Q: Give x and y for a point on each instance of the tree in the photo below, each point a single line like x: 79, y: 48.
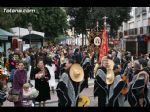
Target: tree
x: 86, y: 17
x: 80, y: 18
x: 50, y: 20
x: 116, y: 15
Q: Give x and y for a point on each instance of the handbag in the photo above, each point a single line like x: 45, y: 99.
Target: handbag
x: 13, y: 95
x: 2, y: 96
x: 34, y: 93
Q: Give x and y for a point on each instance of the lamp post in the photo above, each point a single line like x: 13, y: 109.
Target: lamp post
x: 30, y: 29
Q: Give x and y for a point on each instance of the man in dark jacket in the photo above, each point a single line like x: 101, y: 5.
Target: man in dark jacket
x: 147, y: 69
x: 107, y: 93
x: 115, y: 58
x: 77, y: 56
x: 68, y: 89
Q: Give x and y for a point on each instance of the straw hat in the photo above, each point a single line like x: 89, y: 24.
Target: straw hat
x: 110, y: 64
x: 110, y: 73
x: 110, y: 77
x: 76, y: 73
x: 84, y: 101
x: 96, y: 68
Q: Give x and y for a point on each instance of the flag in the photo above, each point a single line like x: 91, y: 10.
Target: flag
x: 104, y: 45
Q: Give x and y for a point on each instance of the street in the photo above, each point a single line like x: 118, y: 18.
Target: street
x: 54, y: 100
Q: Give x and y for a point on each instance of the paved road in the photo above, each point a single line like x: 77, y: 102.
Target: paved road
x: 54, y: 100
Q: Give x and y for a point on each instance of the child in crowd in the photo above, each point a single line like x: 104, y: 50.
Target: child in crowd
x: 28, y: 95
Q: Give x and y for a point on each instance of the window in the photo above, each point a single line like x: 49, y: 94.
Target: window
x: 144, y: 29
x: 148, y: 21
x: 148, y: 29
x: 141, y: 30
x: 135, y: 31
x: 125, y: 33
x: 120, y: 34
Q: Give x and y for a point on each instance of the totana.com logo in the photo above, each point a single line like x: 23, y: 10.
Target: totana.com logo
x: 24, y: 10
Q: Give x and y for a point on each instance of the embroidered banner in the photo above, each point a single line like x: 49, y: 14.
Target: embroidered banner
x: 104, y: 45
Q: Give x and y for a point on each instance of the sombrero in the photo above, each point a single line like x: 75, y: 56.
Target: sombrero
x: 110, y: 73
x: 76, y: 73
x: 84, y: 101
x: 110, y: 77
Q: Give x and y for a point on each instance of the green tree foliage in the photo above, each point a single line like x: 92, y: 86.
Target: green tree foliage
x: 86, y: 17
x: 50, y: 20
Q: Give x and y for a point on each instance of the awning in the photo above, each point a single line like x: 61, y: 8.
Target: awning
x: 5, y: 34
x: 34, y: 37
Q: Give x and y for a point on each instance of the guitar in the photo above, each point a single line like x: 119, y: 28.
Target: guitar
x: 124, y: 91
x: 83, y: 101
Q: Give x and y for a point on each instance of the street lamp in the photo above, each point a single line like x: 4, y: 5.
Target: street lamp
x: 30, y: 29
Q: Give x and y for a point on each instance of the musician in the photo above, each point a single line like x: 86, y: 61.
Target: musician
x: 69, y: 87
x: 147, y: 69
x: 87, y: 67
x: 138, y: 95
x: 138, y: 87
x: 115, y: 58
x: 106, y: 86
x: 77, y: 56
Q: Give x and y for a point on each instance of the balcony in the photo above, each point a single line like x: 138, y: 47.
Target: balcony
x: 137, y: 31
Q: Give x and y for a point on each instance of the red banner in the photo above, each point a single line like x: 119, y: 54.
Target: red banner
x: 104, y: 46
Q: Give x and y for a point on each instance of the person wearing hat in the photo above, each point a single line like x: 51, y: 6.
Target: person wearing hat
x: 115, y: 58
x: 137, y: 85
x: 69, y: 86
x: 77, y: 56
x: 107, y: 86
x: 147, y: 69
x: 139, y: 90
x: 87, y: 67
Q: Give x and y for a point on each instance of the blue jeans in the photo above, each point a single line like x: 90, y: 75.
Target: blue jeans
x: 12, y: 75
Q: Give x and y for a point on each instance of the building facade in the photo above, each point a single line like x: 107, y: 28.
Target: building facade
x: 135, y: 33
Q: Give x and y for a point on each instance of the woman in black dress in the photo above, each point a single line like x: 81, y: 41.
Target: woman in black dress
x: 42, y: 76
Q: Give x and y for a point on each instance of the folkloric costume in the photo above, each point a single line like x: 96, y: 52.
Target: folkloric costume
x: 139, y: 90
x: 107, y: 87
x: 69, y: 87
x: 87, y: 70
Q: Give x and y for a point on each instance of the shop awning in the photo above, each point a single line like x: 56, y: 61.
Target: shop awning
x: 5, y: 34
x: 34, y: 37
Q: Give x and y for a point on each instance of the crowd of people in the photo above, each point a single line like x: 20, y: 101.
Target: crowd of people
x: 119, y: 77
